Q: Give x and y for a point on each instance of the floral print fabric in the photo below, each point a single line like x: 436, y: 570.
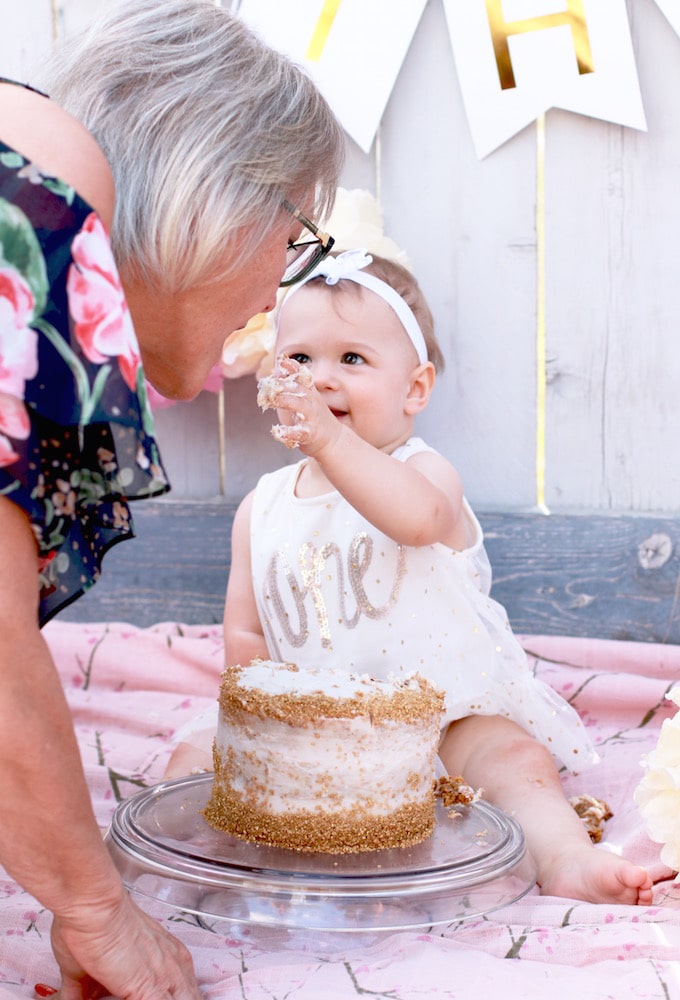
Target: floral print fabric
x: 76, y: 430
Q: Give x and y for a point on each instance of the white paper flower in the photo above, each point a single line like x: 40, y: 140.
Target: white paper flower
x: 356, y: 221
x: 245, y: 351
x: 658, y: 794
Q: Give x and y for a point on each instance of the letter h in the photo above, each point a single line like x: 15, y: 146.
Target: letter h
x: 501, y: 30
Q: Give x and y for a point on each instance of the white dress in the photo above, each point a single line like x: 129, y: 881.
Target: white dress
x: 332, y: 589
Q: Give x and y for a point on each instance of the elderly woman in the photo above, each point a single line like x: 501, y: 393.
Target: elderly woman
x: 220, y: 152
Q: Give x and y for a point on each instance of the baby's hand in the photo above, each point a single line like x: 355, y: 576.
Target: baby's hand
x: 306, y: 421
x: 288, y: 376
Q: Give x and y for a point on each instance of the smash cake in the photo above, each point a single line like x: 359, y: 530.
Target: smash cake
x: 324, y: 760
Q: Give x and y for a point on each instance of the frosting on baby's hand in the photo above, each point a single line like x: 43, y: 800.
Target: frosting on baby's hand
x: 290, y: 435
x: 289, y: 376
x: 292, y: 378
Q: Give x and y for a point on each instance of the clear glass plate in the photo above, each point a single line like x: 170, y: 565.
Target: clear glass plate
x: 473, y: 863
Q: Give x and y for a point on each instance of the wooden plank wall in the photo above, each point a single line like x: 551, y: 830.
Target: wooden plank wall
x: 612, y: 371
x: 612, y: 290
x: 598, y: 576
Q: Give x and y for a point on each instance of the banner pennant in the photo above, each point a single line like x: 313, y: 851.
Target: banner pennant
x: 517, y: 58
x: 671, y: 8
x: 352, y: 49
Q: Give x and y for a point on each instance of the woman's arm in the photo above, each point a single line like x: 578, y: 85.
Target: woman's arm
x: 49, y: 839
x: 56, y: 142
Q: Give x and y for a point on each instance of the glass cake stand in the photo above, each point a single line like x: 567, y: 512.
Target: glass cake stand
x: 166, y: 852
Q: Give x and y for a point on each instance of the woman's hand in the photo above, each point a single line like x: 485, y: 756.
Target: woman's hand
x: 122, y: 953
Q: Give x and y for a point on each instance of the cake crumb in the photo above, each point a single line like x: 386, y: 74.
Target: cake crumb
x: 594, y: 813
x: 281, y: 433
x: 454, y: 791
x: 288, y: 376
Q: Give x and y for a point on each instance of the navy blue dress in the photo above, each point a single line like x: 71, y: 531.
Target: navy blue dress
x: 76, y: 430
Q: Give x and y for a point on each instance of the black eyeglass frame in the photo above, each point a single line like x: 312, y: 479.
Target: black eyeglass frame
x: 323, y: 240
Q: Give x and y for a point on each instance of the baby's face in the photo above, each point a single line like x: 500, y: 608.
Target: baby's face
x: 360, y: 357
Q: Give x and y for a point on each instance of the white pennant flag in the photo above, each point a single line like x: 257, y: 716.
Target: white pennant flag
x: 671, y: 8
x: 352, y: 49
x: 517, y: 58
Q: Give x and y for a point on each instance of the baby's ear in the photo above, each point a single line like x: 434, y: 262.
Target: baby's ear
x: 421, y: 385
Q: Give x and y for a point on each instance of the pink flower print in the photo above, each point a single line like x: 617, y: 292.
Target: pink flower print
x: 7, y: 453
x: 14, y: 423
x: 103, y: 325
x: 18, y: 342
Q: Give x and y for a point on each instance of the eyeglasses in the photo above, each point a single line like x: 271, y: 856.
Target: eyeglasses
x: 302, y: 258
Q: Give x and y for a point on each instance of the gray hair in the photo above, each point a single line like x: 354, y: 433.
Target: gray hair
x: 207, y: 130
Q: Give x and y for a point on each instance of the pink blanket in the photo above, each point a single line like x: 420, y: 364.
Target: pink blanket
x: 129, y: 689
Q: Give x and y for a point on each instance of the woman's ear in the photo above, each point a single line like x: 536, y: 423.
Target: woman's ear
x: 421, y: 385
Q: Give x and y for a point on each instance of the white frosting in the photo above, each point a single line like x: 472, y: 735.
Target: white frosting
x: 348, y: 762
x: 269, y: 677
x: 333, y: 764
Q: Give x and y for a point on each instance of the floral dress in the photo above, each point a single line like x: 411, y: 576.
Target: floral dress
x: 76, y: 430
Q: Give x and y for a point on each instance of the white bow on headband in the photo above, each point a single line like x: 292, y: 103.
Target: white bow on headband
x: 348, y: 266
x: 345, y: 265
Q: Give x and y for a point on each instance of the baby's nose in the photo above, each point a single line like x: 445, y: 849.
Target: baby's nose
x: 324, y: 374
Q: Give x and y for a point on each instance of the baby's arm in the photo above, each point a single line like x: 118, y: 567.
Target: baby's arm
x: 417, y: 502
x: 243, y: 636
x: 243, y: 641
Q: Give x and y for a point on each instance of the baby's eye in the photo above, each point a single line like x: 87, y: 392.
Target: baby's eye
x: 302, y: 359
x: 351, y: 358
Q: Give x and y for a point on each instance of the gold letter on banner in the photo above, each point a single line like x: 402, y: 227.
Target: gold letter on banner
x: 322, y: 30
x: 501, y: 29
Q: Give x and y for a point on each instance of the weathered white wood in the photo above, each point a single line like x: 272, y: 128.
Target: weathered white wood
x: 612, y: 288
x: 191, y: 447
x: 26, y: 35
x: 468, y: 228
x: 613, y: 297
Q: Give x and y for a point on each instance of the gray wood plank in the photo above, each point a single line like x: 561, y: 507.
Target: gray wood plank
x: 600, y: 576
x: 176, y: 568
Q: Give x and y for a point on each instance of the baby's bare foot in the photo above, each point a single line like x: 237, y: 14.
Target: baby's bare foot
x: 597, y: 876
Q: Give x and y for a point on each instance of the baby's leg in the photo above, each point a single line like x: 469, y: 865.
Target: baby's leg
x: 517, y: 774
x: 187, y: 759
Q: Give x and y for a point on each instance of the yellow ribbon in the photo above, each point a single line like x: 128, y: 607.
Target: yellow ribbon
x: 540, y: 316
x: 322, y: 30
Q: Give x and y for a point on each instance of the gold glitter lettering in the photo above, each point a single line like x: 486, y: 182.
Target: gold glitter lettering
x: 574, y: 17
x: 296, y: 639
x: 312, y: 563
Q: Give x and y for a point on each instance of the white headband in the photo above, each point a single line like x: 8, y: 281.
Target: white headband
x: 348, y: 266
